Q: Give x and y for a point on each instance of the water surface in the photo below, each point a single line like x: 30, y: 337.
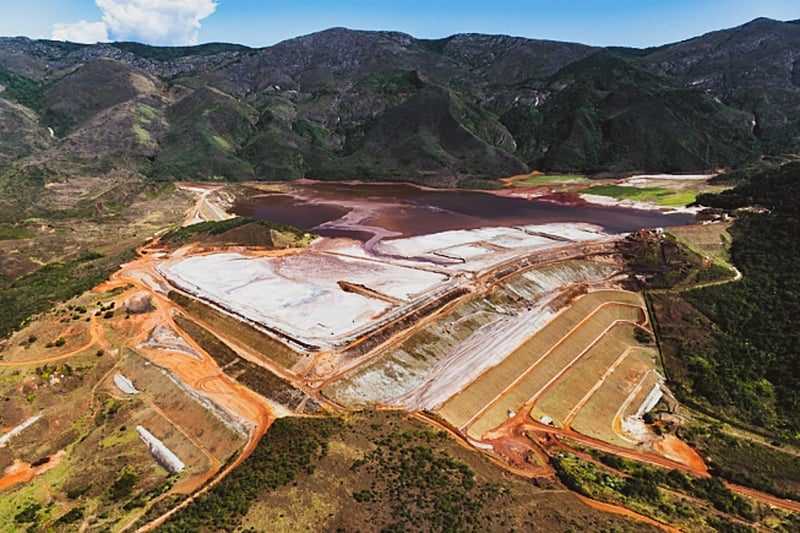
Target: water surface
x: 346, y: 209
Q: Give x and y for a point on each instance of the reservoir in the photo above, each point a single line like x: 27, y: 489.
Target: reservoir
x: 364, y: 210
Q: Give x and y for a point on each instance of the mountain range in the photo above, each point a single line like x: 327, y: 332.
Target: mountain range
x: 343, y: 104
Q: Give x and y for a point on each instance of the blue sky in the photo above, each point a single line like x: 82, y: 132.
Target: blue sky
x: 256, y: 23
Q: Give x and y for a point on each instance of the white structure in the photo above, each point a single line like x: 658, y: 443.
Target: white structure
x: 160, y: 452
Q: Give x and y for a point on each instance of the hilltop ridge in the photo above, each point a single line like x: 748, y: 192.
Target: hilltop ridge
x: 343, y: 104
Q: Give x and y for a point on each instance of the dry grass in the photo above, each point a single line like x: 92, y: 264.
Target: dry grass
x: 596, y: 418
x: 463, y: 407
x: 563, y: 354
x: 568, y: 391
x: 712, y: 240
x: 236, y: 329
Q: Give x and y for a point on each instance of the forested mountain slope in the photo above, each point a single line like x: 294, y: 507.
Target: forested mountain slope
x: 342, y: 104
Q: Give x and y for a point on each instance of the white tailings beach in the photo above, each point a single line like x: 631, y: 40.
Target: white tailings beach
x: 124, y: 384
x: 17, y: 430
x: 301, y: 297
x: 160, y: 452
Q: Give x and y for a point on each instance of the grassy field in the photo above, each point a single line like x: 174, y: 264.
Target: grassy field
x: 659, y: 195
x: 563, y: 353
x: 596, y: 417
x: 660, y: 494
x: 70, y: 242
x: 236, y: 329
x: 463, y: 407
x: 9, y: 232
x: 548, y: 179
x: 711, y: 240
x: 387, y: 472
x: 107, y: 471
x: 558, y: 401
x: 770, y: 468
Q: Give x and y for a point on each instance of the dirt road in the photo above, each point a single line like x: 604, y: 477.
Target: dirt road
x: 201, y: 375
x: 95, y: 338
x: 616, y: 509
x: 21, y: 472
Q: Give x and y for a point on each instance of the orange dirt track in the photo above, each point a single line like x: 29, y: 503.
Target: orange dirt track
x: 201, y: 375
x: 204, y: 376
x: 22, y: 473
x: 616, y: 509
x: 95, y: 337
x: 541, y: 471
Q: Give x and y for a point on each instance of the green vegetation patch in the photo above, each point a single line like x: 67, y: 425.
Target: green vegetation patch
x: 192, y: 146
x: 167, y: 53
x: 643, y: 478
x: 426, y: 488
x: 547, y: 179
x: 731, y: 349
x: 10, y: 232
x: 143, y: 136
x: 642, y: 489
x: 21, y: 90
x: 585, y: 478
x: 52, y: 283
x: 187, y: 233
x: 478, y: 184
x: 668, y: 263
x: 290, y: 447
x: 753, y: 362
x: 392, y: 83
x: 711, y: 240
x: 657, y: 195
x: 380, y: 471
x: 749, y: 462
x: 251, y: 232
x: 147, y: 114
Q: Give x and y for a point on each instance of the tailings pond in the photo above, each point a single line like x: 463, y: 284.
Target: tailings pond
x: 366, y: 211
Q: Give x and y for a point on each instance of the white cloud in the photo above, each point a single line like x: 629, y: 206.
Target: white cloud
x: 80, y: 32
x: 155, y: 21
x: 165, y: 22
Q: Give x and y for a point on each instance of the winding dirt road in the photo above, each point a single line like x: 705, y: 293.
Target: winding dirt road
x: 197, y: 374
x: 95, y: 337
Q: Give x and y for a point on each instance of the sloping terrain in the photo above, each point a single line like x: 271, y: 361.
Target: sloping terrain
x: 342, y: 104
x: 754, y: 67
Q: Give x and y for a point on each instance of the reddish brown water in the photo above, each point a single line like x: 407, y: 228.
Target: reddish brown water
x: 409, y: 210
x: 288, y: 210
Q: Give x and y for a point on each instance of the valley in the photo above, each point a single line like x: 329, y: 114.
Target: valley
x: 360, y: 280
x: 516, y: 339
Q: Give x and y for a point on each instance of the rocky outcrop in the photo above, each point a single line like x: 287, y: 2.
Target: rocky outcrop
x: 139, y: 303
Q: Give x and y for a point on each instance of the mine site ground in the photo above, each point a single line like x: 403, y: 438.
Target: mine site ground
x: 517, y: 341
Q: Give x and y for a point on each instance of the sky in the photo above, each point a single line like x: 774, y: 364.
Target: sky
x: 257, y: 23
